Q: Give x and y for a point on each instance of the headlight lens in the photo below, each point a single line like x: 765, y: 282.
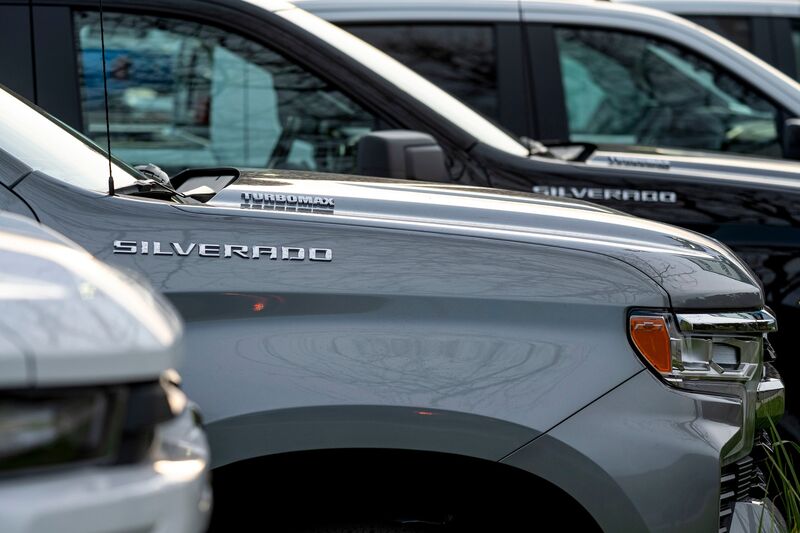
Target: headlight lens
x: 106, y: 424
x: 42, y: 430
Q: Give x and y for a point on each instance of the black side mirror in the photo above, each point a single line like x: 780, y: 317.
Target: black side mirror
x: 791, y: 139
x: 401, y: 154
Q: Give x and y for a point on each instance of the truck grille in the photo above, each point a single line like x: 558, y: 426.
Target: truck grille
x: 742, y: 480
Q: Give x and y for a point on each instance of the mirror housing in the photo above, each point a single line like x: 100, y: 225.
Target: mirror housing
x: 791, y: 139
x: 401, y: 154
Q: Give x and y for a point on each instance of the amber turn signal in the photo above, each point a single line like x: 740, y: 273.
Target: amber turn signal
x: 651, y: 337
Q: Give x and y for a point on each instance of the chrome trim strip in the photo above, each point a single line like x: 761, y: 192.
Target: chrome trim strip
x: 770, y: 398
x: 742, y: 322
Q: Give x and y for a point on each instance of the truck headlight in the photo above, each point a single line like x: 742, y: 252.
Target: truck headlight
x: 39, y: 430
x: 718, y: 353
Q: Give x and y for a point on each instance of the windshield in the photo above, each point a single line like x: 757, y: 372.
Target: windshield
x: 49, y: 146
x: 409, y: 81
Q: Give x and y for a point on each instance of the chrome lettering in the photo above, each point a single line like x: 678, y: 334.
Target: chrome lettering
x: 668, y: 197
x: 244, y: 251
x: 320, y: 254
x: 179, y: 248
x: 157, y: 249
x: 209, y: 250
x: 270, y: 251
x: 286, y: 202
x: 598, y: 193
x: 124, y: 247
x: 237, y: 249
x: 631, y: 195
x: 576, y: 193
x: 290, y: 253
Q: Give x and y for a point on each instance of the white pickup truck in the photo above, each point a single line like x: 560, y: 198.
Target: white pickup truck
x: 95, y: 434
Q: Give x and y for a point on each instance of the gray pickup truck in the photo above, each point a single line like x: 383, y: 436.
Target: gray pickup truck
x: 410, y: 356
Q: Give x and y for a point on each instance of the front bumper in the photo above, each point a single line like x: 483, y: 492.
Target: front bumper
x: 168, y: 493
x: 645, y: 457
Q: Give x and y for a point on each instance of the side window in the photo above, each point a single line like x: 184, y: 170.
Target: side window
x: 458, y: 58
x: 185, y: 94
x: 633, y: 90
x: 796, y: 44
x: 736, y: 29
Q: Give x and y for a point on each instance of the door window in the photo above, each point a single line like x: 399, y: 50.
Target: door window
x: 458, y: 58
x: 633, y: 90
x: 185, y: 94
x: 736, y: 29
x: 796, y: 45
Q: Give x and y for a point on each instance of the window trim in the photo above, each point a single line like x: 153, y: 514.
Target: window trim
x: 794, y: 25
x: 515, y: 111
x: 548, y: 99
x: 785, y: 56
x: 56, y: 70
x: 16, y: 62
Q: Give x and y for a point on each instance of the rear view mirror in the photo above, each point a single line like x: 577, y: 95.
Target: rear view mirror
x: 401, y: 154
x: 791, y: 139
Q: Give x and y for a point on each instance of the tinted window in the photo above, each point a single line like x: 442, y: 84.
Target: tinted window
x: 634, y: 90
x: 736, y: 29
x: 796, y: 45
x: 459, y: 59
x: 185, y: 94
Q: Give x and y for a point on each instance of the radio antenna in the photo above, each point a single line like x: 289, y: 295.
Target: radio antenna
x: 105, y: 101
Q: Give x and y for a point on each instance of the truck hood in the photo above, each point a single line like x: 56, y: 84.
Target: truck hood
x: 67, y: 319
x: 696, y: 272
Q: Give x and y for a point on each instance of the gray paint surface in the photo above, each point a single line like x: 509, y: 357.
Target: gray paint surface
x: 647, y: 441
x: 412, y: 10
x: 365, y: 426
x: 764, y: 8
x: 472, y: 307
x: 399, y: 317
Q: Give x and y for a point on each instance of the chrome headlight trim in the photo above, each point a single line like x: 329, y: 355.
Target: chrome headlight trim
x: 770, y: 398
x: 760, y: 321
